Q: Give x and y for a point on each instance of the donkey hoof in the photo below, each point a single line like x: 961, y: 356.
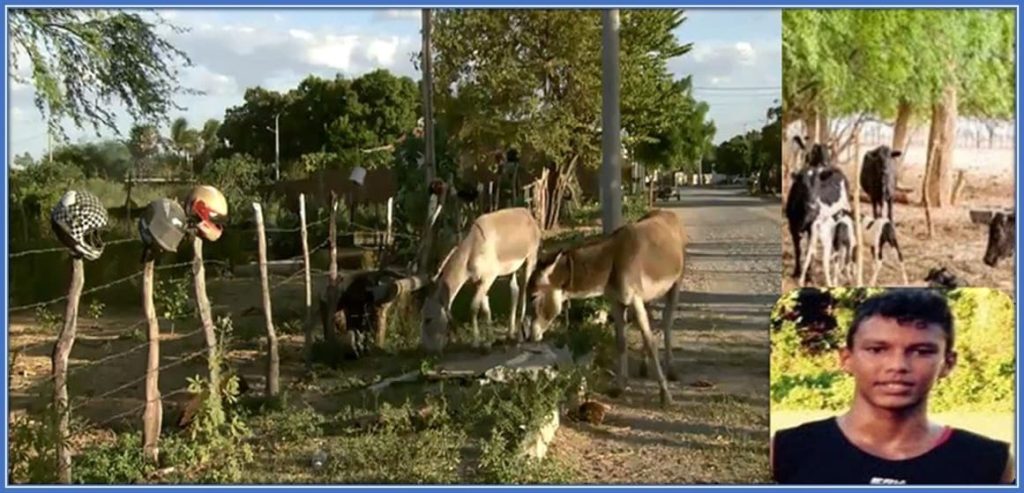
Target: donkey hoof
x: 616, y: 391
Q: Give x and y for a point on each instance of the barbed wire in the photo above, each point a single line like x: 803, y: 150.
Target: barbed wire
x: 24, y: 253
x: 184, y: 359
x: 136, y: 409
x: 112, y: 284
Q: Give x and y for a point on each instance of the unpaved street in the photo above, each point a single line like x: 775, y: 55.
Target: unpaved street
x: 717, y: 430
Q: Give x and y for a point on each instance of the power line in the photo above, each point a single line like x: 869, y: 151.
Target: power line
x: 738, y: 88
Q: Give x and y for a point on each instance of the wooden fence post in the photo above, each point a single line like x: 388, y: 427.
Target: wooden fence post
x: 856, y: 211
x: 152, y: 417
x: 59, y: 359
x: 206, y: 316
x: 273, y: 363
x: 307, y: 343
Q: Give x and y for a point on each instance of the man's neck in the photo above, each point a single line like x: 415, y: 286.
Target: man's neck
x: 888, y: 432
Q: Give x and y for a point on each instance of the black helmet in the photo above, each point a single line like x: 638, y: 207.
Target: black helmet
x: 163, y: 224
x: 77, y: 220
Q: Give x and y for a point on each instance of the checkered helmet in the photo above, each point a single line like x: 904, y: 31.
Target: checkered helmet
x: 77, y: 220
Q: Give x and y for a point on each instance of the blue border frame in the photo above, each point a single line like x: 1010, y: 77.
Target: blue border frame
x: 306, y: 4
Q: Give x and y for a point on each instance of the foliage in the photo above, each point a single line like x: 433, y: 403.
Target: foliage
x: 239, y: 178
x: 805, y: 373
x: 37, y: 188
x: 32, y: 447
x: 340, y: 116
x: 49, y: 320
x: 845, y: 61
x: 83, y: 61
x: 532, y: 80
x: 173, y: 298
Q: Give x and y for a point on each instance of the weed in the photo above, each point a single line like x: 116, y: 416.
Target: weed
x: 48, y: 320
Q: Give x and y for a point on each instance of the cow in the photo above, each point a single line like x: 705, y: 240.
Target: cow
x: 844, y: 246
x: 878, y: 178
x: 819, y: 191
x: 879, y: 233
x: 1002, y: 234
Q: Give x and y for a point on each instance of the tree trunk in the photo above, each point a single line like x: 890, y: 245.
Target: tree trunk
x: 901, y: 129
x: 811, y: 126
x: 942, y: 138
x: 825, y: 132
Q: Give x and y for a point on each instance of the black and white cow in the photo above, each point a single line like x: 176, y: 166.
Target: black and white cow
x: 819, y: 191
x: 879, y: 233
x: 878, y: 178
x: 1002, y: 236
x: 844, y: 246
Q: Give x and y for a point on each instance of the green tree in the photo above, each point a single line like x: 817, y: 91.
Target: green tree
x: 947, y: 63
x: 532, y: 79
x: 82, y: 61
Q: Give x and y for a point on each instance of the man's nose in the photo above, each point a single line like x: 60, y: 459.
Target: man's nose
x: 898, y: 361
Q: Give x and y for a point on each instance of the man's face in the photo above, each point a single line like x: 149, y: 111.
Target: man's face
x: 894, y: 366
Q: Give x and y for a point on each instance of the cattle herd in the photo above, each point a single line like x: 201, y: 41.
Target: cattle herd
x: 818, y: 207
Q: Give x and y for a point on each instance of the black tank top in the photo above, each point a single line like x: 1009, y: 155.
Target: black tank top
x: 819, y: 453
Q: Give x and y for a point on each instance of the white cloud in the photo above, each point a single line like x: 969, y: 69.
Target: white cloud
x: 300, y: 34
x: 383, y: 51
x: 213, y: 84
x: 333, y: 52
x: 746, y: 53
x: 397, y: 14
x: 732, y: 64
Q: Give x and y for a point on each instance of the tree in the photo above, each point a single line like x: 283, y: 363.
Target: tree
x: 356, y: 119
x: 83, y: 61
x: 143, y: 144
x: 844, y: 63
x: 531, y: 79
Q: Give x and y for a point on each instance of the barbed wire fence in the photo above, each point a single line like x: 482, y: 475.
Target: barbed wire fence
x: 130, y: 386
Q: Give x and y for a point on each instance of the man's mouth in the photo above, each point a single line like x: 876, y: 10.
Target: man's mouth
x: 895, y: 385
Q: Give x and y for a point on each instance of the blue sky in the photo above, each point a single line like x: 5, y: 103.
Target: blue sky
x: 276, y: 48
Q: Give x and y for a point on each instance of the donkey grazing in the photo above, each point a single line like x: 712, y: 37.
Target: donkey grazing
x: 633, y: 265
x: 497, y: 244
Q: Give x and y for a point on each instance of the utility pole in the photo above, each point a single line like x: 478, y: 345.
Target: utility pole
x: 611, y: 137
x: 427, y: 237
x: 277, y: 146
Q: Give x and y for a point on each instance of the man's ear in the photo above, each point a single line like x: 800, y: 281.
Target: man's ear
x: 948, y: 364
x: 844, y: 359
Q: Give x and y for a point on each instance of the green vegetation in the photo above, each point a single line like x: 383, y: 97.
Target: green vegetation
x: 805, y: 373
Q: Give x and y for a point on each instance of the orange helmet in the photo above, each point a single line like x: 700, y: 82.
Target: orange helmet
x: 207, y: 209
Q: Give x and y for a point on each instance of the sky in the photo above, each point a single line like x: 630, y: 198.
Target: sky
x: 736, y: 61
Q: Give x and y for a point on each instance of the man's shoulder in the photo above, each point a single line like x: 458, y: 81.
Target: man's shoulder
x: 809, y: 428
x: 972, y: 439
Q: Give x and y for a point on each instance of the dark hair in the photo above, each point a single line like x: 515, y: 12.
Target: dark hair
x: 907, y: 306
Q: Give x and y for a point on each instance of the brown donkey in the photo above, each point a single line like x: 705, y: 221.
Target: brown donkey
x: 635, y: 264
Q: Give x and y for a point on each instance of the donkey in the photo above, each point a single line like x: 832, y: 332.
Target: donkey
x: 633, y: 265
x: 497, y: 244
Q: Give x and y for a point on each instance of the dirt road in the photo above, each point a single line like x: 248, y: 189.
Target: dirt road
x: 716, y: 433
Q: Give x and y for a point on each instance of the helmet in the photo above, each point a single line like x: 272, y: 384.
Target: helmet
x: 77, y: 220
x: 207, y: 209
x: 164, y: 224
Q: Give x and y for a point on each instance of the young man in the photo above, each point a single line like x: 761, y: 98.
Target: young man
x: 899, y: 345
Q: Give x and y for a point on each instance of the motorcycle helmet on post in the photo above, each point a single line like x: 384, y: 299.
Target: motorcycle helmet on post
x: 77, y: 219
x: 163, y: 225
x: 207, y: 210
